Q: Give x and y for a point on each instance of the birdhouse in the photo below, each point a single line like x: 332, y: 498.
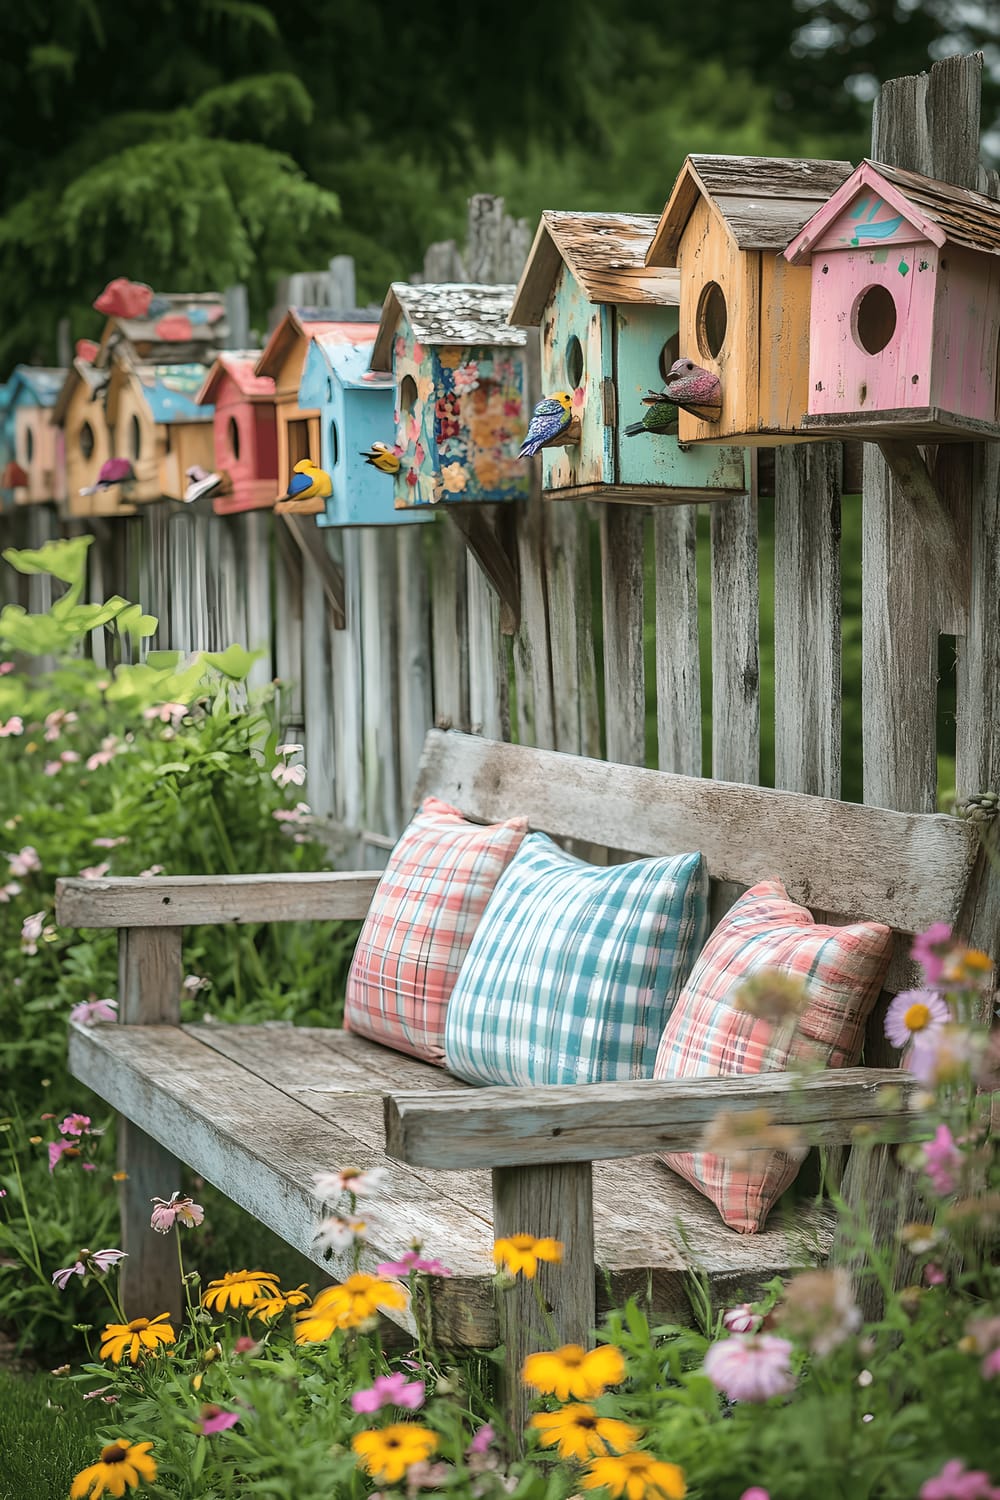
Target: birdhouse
x: 245, y: 433
x: 283, y: 359
x: 460, y: 374
x: 744, y: 311
x: 905, y: 316
x: 38, y: 474
x: 81, y: 419
x: 609, y: 337
x: 355, y: 406
x: 7, y: 471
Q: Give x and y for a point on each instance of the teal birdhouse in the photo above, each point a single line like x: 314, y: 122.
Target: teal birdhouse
x: 36, y: 466
x: 460, y: 389
x: 356, y: 408
x: 609, y: 335
x: 6, y: 446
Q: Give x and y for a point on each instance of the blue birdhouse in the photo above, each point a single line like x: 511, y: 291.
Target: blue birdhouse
x: 609, y: 335
x: 6, y: 446
x: 460, y: 379
x: 356, y: 406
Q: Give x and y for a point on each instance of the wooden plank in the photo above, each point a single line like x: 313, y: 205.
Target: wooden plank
x: 735, y: 643
x: 678, y: 661
x: 288, y: 569
x: 316, y: 687
x: 190, y: 900
x: 312, y: 545
x: 622, y: 560
x: 807, y: 684
x: 379, y: 641
x: 449, y: 626
x: 254, y: 531
x: 937, y: 527
x: 532, y: 657
x: 413, y: 656
x: 149, y: 975
x: 484, y: 536
x: 347, y: 712
x: 577, y: 723
x: 487, y: 674
x: 496, y: 1127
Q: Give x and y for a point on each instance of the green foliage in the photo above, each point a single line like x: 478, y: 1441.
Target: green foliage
x: 49, y: 1431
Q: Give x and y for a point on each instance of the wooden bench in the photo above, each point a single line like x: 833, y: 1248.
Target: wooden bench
x: 256, y: 1110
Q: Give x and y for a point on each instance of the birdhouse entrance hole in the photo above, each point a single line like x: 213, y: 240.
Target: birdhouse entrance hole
x: 407, y: 394
x: 233, y: 437
x: 29, y: 445
x: 86, y: 440
x: 298, y: 442
x: 873, y: 319
x: 574, y: 362
x: 334, y: 446
x: 135, y: 433
x: 669, y: 354
x: 713, y: 319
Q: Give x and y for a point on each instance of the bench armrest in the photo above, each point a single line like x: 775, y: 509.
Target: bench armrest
x: 191, y: 900
x: 501, y: 1127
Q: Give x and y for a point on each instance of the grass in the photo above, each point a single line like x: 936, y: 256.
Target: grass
x: 49, y: 1434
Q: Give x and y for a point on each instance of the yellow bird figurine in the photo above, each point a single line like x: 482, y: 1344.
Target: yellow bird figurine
x: 307, y: 490
x: 382, y: 457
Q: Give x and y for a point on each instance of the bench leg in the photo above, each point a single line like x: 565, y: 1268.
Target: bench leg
x: 151, y: 1278
x: 554, y: 1201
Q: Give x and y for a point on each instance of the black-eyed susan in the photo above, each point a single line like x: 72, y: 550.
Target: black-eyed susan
x: 578, y: 1432
x: 387, y: 1452
x: 573, y: 1371
x: 121, y: 1466
x: 522, y: 1252
x: 141, y: 1336
x: 268, y: 1308
x: 635, y: 1476
x: 356, y: 1300
x: 240, y: 1289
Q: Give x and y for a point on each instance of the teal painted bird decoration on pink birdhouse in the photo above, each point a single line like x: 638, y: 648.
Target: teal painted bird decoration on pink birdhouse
x: 694, y: 389
x: 549, y: 421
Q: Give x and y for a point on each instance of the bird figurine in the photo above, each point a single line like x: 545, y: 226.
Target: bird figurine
x: 112, y: 471
x: 382, y: 457
x: 694, y: 389
x: 308, y: 488
x: 549, y: 421
x: 200, y: 482
x: 659, y: 417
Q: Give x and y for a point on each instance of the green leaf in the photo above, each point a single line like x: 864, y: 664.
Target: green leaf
x: 65, y: 560
x: 132, y: 621
x: 234, y: 662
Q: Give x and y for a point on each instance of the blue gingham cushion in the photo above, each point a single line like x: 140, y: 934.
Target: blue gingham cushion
x: 575, y: 968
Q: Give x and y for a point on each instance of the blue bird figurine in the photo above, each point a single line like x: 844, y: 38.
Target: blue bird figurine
x: 549, y: 421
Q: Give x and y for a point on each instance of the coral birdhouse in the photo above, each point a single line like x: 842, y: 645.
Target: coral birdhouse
x: 245, y: 433
x: 36, y: 466
x: 609, y: 336
x: 460, y: 376
x: 355, y: 406
x: 905, y: 316
x: 744, y: 311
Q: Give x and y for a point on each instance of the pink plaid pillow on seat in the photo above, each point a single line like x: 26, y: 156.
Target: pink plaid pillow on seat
x: 420, y: 924
x: 706, y: 1036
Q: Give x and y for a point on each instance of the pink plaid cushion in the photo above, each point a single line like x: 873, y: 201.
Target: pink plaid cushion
x: 420, y: 924
x: 843, y: 968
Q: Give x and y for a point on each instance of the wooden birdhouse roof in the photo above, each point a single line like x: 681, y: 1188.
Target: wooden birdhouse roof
x: 462, y: 314
x: 240, y: 366
x: 174, y: 324
x: 350, y: 363
x: 171, y: 392
x: 80, y: 372
x: 939, y: 212
x: 311, y: 322
x: 606, y: 253
x: 763, y: 201
x: 34, y: 386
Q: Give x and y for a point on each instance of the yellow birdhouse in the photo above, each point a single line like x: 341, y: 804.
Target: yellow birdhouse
x: 79, y: 412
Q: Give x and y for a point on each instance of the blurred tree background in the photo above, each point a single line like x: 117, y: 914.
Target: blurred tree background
x: 192, y: 146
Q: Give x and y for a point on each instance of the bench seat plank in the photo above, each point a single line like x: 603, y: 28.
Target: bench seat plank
x: 257, y: 1109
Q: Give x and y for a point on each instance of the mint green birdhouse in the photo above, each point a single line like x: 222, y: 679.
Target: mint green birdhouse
x: 608, y: 337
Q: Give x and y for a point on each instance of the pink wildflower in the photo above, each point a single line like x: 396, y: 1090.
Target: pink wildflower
x: 934, y: 1275
x: 32, y: 928
x: 57, y: 721
x: 90, y: 1260
x: 246, y: 1345
x: 286, y: 775
x: 179, y: 1207
x: 942, y: 1161
x: 750, y: 1366
x: 149, y: 874
x: 482, y: 1440
x: 26, y: 862
x: 107, y: 843
x: 89, y: 1011
x: 75, y: 1125
x: 390, y: 1390
x: 167, y: 713
x: 329, y: 1185
x: 14, y: 725
x: 106, y: 754
x: 95, y: 872
x: 338, y: 1234
x: 956, y: 1482
x: 755, y: 1492
x: 410, y: 1261
x: 8, y: 891
x: 990, y: 1365
x: 931, y: 948
x: 741, y: 1319
x: 53, y: 767
x: 214, y: 1419
x: 59, y: 1149
x: 193, y: 983
x: 5, y: 667
x: 942, y: 1055
x: 69, y: 757
x: 915, y: 1014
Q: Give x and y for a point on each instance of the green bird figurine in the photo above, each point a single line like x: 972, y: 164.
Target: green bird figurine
x: 660, y: 417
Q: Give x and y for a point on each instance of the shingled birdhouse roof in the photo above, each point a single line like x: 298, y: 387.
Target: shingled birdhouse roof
x: 42, y: 385
x: 176, y: 328
x: 763, y: 201
x: 455, y: 313
x: 240, y: 366
x: 606, y: 253
x: 80, y: 372
x: 313, y: 322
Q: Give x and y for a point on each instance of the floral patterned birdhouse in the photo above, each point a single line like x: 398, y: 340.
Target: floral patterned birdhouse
x: 355, y: 406
x: 744, y: 311
x: 244, y: 430
x: 905, y: 315
x: 37, y: 472
x: 460, y: 379
x: 609, y: 335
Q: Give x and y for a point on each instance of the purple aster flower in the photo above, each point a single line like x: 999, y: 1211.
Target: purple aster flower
x: 390, y: 1390
x: 913, y: 1014
x: 931, y: 948
x: 750, y: 1366
x: 942, y: 1161
x: 409, y: 1261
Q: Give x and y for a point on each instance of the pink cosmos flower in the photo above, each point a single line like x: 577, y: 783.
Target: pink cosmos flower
x: 149, y: 874
x: 750, y: 1366
x: 53, y: 767
x: 58, y: 1149
x: 956, y: 1482
x: 292, y: 814
x: 741, y: 1319
x: 338, y: 1234
x: 931, y: 948
x: 289, y: 749
x: 106, y: 754
x: 26, y: 862
x: 57, y: 721
x: 482, y: 1440
x: 990, y: 1365
x: 193, y: 983
x: 107, y: 843
x: 179, y: 1207
x: 214, y: 1419
x: 89, y: 1011
x: 934, y: 1275
x: 915, y: 1014
x: 75, y: 1125
x: 167, y: 713
x: 246, y: 1345
x: 755, y: 1492
x: 942, y: 1055
x: 5, y: 667
x: 14, y: 725
x: 8, y: 891
x: 330, y: 1185
x: 90, y: 1260
x: 286, y: 775
x: 410, y: 1261
x: 69, y: 757
x: 942, y: 1161
x: 95, y: 872
x: 390, y: 1390
x: 32, y: 928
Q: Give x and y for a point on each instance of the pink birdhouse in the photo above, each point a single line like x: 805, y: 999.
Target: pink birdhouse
x: 245, y: 430
x: 905, y: 311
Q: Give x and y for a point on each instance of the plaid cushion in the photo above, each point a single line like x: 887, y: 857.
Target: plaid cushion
x: 574, y: 968
x: 706, y: 1036
x: 420, y: 924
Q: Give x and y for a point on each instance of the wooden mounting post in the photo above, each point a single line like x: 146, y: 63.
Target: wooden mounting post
x: 487, y: 545
x: 910, y: 471
x: 305, y: 533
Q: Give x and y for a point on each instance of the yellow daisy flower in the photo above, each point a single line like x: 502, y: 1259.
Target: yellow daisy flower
x: 636, y: 1476
x: 134, y: 1339
x: 387, y: 1452
x: 122, y: 1465
x: 578, y: 1432
x: 240, y: 1289
x: 572, y: 1371
x: 268, y: 1308
x: 359, y: 1298
x: 522, y: 1252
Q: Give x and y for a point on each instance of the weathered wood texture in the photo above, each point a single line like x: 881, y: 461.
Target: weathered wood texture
x: 678, y: 658
x: 173, y: 901
x: 622, y: 566
x: 735, y: 641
